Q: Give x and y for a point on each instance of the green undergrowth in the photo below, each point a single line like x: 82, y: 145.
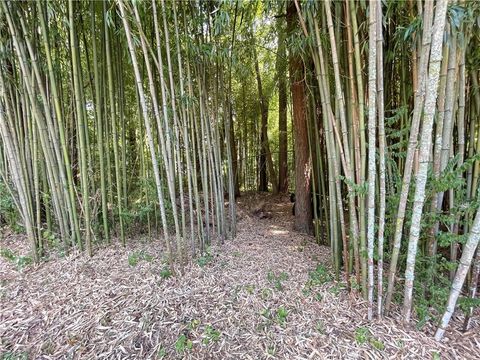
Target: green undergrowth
x: 277, y: 279
x: 20, y: 261
x: 317, y: 277
x: 13, y: 355
x: 363, y: 336
x: 135, y: 257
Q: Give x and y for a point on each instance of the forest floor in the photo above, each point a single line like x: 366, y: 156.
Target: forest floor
x: 267, y: 294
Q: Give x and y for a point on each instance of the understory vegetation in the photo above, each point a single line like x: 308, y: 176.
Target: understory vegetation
x: 122, y: 119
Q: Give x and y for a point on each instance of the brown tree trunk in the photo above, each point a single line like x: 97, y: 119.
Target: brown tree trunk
x: 262, y: 168
x: 303, y: 208
x: 282, y: 111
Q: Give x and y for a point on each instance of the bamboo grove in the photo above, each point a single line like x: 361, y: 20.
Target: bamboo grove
x: 86, y: 138
x: 121, y: 117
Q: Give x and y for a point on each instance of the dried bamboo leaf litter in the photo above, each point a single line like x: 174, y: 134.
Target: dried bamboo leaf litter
x: 253, y: 299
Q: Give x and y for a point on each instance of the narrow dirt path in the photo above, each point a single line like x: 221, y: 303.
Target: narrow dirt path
x: 263, y: 295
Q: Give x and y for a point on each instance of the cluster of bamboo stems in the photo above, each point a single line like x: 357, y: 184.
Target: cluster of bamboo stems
x: 69, y: 145
x: 359, y: 150
x: 95, y: 97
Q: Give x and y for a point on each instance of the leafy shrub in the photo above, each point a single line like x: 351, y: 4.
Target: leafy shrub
x: 7, y: 254
x: 20, y: 261
x: 8, y: 211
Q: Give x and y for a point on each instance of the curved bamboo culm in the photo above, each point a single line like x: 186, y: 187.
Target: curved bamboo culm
x: 460, y: 275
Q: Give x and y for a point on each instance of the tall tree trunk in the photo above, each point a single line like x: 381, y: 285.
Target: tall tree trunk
x: 303, y: 208
x: 281, y: 67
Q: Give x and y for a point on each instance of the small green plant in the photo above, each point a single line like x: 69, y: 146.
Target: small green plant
x: 193, y: 324
x: 182, y: 344
x: 306, y: 291
x: 467, y: 303
x: 277, y: 279
x: 266, y: 294
x: 354, y: 284
x: 436, y: 356
x: 7, y: 254
x: 270, y: 276
x: 271, y: 351
x: 205, y: 259
x: 377, y: 344
x: 282, y: 314
x: 210, y: 335
x: 135, y: 257
x: 319, y: 276
x: 362, y: 334
x: 19, y: 261
x: 9, y: 355
x: 50, y: 239
x: 165, y: 273
x: 8, y: 211
x: 23, y: 261
x: 250, y: 288
x: 266, y: 313
x: 320, y: 327
x: 335, y: 290
x: 161, y: 352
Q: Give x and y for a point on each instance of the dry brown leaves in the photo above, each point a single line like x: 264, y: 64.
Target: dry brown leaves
x: 249, y: 302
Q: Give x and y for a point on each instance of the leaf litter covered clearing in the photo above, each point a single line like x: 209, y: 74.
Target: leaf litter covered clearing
x: 267, y: 294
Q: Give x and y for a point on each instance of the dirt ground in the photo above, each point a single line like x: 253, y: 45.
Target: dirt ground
x: 262, y: 295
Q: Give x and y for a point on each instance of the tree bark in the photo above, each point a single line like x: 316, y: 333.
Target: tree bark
x: 303, y: 208
x: 282, y: 110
